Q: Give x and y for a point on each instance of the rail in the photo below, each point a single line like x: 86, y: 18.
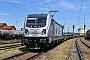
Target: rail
x: 85, y: 44
x: 9, y: 47
x: 79, y: 52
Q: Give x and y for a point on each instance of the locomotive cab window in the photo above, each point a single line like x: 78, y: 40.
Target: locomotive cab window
x: 41, y: 21
x: 31, y: 20
x: 36, y: 22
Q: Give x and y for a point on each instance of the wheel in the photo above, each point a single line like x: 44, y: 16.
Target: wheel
x: 27, y: 45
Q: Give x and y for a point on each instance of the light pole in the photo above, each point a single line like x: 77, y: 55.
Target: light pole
x: 73, y: 30
x: 64, y: 25
x: 84, y: 25
x: 78, y: 20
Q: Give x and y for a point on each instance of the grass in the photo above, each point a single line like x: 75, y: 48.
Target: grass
x: 58, y: 53
x: 10, y: 52
x: 61, y: 51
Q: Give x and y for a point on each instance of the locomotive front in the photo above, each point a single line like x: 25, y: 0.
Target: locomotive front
x: 36, y: 28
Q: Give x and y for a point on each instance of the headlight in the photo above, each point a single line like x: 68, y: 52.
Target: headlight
x: 44, y: 31
x: 26, y: 31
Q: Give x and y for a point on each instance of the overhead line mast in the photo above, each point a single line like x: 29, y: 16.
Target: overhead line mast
x: 80, y: 9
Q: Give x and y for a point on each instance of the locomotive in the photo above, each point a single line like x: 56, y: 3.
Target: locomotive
x: 41, y: 31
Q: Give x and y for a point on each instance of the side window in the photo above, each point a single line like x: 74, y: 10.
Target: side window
x: 61, y: 30
x: 55, y: 29
x: 58, y: 30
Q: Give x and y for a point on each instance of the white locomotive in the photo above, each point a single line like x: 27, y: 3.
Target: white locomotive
x: 41, y: 30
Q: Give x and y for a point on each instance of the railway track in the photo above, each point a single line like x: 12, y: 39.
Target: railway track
x: 83, y: 49
x: 2, y: 43
x: 10, y: 46
x: 85, y: 44
x: 27, y: 55
x: 79, y: 52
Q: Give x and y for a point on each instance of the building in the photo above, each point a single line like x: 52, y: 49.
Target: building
x: 8, y: 28
x: 81, y: 31
x: 5, y: 27
x: 2, y: 24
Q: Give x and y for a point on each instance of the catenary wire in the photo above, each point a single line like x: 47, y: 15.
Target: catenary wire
x: 47, y: 5
x: 8, y: 11
x: 28, y: 5
x: 16, y: 6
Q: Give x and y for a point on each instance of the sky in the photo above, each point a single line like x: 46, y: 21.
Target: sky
x: 70, y: 12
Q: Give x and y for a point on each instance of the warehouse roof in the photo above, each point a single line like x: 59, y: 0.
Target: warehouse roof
x: 2, y: 24
x: 9, y: 28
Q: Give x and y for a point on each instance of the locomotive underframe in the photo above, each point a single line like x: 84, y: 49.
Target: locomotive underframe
x: 40, y: 42
x: 35, y: 42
